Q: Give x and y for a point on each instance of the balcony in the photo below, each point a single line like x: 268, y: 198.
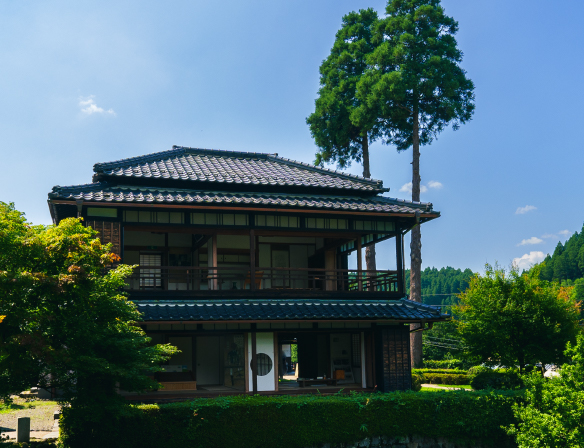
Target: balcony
x: 198, y: 280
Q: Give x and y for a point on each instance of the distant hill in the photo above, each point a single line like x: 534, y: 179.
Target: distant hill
x: 440, y: 286
x: 566, y: 264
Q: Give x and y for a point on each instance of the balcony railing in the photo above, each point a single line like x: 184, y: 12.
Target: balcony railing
x: 171, y: 278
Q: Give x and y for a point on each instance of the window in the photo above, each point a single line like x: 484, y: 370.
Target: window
x: 356, y: 349
x: 219, y: 219
x: 154, y: 217
x: 277, y: 221
x: 150, y: 278
x: 327, y: 223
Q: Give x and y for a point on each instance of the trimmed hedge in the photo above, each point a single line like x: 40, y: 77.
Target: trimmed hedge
x: 443, y: 371
x: 446, y: 364
x: 441, y: 378
x: 300, y: 421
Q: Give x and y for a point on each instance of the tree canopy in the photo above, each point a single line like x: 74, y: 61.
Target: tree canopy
x: 64, y: 321
x: 512, y: 319
x: 332, y: 125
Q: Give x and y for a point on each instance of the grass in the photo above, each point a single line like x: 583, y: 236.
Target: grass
x: 20, y: 403
x: 446, y: 387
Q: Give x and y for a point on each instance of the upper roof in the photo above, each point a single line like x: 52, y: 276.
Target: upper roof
x: 231, y: 167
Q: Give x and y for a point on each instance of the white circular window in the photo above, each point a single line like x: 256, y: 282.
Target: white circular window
x: 264, y: 364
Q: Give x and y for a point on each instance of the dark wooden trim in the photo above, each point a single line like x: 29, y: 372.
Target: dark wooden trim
x: 399, y: 262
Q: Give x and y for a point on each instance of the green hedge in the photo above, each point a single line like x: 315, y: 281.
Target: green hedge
x: 443, y: 371
x: 441, y: 378
x: 446, y: 364
x: 300, y: 421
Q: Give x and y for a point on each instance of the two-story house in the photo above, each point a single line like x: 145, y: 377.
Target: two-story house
x: 242, y: 254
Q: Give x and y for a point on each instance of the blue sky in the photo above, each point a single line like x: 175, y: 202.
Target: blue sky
x: 87, y: 82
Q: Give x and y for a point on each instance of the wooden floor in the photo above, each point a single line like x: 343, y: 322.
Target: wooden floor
x: 221, y: 391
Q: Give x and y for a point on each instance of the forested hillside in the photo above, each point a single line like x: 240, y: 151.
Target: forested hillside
x: 567, y: 262
x: 440, y: 286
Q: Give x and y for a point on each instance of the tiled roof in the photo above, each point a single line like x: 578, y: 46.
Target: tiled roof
x: 231, y: 167
x: 99, y: 192
x: 278, y: 309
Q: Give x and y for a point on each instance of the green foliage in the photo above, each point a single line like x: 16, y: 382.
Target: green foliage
x: 417, y: 381
x: 294, y: 350
x: 450, y: 363
x: 445, y: 378
x: 441, y: 371
x: 442, y: 286
x: 486, y: 378
x: 567, y: 261
x: 336, y: 134
x: 510, y: 319
x: 65, y: 323
x: 310, y: 420
x: 415, y: 76
x: 553, y: 412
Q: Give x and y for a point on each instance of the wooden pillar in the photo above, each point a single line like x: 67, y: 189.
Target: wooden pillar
x: 212, y: 262
x: 277, y: 362
x: 330, y: 270
x: 359, y: 264
x: 399, y: 258
x: 252, y: 263
x: 254, y: 361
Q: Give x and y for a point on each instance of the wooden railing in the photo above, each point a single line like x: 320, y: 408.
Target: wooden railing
x: 196, y: 278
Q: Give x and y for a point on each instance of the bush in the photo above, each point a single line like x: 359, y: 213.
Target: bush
x: 446, y: 364
x: 444, y: 371
x: 417, y: 381
x: 441, y: 378
x: 485, y: 378
x: 308, y: 420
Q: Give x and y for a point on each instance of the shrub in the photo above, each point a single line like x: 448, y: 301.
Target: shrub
x: 308, y: 420
x: 441, y: 378
x: 485, y: 378
x: 447, y: 364
x: 417, y: 381
x: 443, y: 371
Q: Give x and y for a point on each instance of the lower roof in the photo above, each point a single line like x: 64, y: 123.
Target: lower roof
x: 402, y: 310
x: 119, y: 194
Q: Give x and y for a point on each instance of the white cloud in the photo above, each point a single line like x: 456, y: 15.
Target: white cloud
x: 528, y: 260
x: 532, y: 240
x: 407, y: 188
x: 435, y: 184
x: 524, y: 210
x: 89, y: 107
x: 564, y: 232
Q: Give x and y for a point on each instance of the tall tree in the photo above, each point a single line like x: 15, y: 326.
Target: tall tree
x: 337, y: 136
x: 417, y: 88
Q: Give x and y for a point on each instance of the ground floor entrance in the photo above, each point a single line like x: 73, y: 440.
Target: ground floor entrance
x: 284, y: 357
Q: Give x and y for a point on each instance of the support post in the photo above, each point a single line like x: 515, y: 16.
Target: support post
x: 252, y: 263
x: 399, y: 258
x: 23, y: 430
x: 359, y: 264
x: 254, y: 362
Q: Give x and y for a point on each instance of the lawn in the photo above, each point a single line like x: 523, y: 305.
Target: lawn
x: 39, y: 411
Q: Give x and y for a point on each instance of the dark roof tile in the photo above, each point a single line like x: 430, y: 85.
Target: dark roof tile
x: 247, y: 168
x: 100, y: 192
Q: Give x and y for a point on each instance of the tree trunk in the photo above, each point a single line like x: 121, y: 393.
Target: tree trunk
x: 416, y: 248
x: 369, y: 250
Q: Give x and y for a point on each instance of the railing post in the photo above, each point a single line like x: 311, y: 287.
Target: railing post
x: 399, y: 256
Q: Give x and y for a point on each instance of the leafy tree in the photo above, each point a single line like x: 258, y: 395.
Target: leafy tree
x: 65, y: 324
x: 416, y: 88
x: 514, y: 320
x: 553, y: 412
x: 335, y: 132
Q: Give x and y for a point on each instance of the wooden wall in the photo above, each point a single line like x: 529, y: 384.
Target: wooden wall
x: 393, y: 365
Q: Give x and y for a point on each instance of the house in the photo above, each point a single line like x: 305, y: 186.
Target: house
x: 240, y: 255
